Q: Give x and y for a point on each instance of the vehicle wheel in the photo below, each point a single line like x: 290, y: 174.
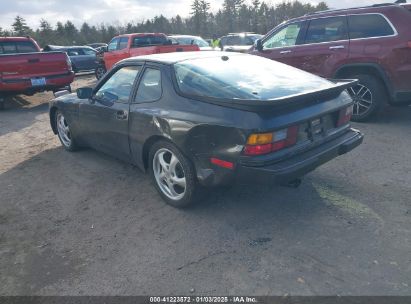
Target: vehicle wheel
x: 100, y: 71
x: 64, y: 133
x: 2, y: 103
x: 173, y: 174
x: 369, y: 97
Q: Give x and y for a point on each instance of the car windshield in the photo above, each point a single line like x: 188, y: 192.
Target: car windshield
x: 245, y: 77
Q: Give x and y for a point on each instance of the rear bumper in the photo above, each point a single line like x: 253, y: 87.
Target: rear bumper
x: 299, y: 165
x: 23, y: 85
x: 284, y: 171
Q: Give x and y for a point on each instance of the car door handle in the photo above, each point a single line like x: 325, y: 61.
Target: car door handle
x: 285, y: 52
x: 121, y: 115
x: 336, y: 47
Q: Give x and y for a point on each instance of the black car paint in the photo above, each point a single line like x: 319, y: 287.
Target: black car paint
x: 199, y: 129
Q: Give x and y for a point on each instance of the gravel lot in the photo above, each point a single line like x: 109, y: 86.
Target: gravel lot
x: 86, y: 224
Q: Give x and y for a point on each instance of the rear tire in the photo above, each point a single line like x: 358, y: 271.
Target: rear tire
x: 2, y: 103
x: 173, y: 174
x: 369, y: 97
x: 64, y: 133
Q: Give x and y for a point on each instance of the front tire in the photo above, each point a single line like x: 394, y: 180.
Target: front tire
x: 173, y: 174
x: 64, y: 133
x: 100, y: 71
x: 369, y: 97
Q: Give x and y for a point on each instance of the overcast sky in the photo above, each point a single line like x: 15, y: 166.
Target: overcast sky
x: 115, y: 11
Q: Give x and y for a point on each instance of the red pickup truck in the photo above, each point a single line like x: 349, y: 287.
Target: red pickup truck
x: 25, y: 70
x: 130, y: 45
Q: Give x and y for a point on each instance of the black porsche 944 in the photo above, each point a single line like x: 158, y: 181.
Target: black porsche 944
x: 209, y: 118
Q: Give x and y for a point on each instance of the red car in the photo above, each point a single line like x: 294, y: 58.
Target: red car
x: 25, y: 70
x: 372, y: 44
x: 130, y: 45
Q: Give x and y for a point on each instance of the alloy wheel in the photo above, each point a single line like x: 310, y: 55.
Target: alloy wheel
x: 100, y: 72
x: 63, y: 130
x: 169, y: 174
x: 362, y: 98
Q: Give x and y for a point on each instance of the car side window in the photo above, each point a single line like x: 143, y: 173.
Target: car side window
x: 112, y: 46
x: 123, y: 43
x: 118, y: 87
x: 88, y: 52
x: 9, y: 47
x: 286, y: 37
x: 72, y: 52
x: 326, y: 30
x: 150, y: 86
x: 368, y: 25
x: 26, y: 47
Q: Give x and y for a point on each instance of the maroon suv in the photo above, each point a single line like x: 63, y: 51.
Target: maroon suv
x: 372, y: 44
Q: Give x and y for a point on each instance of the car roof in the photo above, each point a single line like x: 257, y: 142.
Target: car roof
x: 375, y: 8
x: 16, y: 39
x: 184, y: 36
x: 172, y: 58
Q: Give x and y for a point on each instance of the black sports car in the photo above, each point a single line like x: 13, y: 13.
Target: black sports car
x: 209, y: 118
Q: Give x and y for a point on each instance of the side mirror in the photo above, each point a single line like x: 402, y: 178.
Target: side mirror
x: 84, y: 93
x: 259, y: 45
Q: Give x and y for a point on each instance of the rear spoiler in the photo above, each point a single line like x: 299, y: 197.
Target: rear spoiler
x: 311, y: 97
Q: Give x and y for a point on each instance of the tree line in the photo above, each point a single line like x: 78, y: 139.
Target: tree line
x: 233, y: 16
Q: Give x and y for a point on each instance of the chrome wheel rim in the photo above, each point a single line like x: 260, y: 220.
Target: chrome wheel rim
x: 63, y: 130
x: 169, y: 174
x: 362, y: 98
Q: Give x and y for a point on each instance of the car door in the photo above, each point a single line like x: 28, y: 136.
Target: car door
x: 75, y: 59
x: 281, y: 44
x: 89, y: 59
x: 325, y: 47
x: 120, y: 52
x: 111, y: 54
x: 105, y: 117
x: 142, y: 109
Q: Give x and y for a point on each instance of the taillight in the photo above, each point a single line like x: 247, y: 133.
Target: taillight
x: 344, y: 116
x: 68, y: 61
x: 264, y: 143
x: 409, y: 44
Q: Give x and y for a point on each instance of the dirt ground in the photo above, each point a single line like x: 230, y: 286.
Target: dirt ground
x: 86, y: 224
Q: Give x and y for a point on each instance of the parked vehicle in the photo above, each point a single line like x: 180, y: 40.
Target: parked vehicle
x: 97, y: 45
x: 193, y: 40
x: 130, y: 45
x: 24, y: 70
x: 83, y: 58
x: 209, y: 118
x: 238, y: 42
x: 372, y: 44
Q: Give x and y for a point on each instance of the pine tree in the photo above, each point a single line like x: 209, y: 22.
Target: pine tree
x: 20, y: 27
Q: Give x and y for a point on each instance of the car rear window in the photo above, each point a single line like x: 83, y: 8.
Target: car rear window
x: 12, y: 47
x: 326, y: 29
x: 368, y: 25
x: 244, y: 77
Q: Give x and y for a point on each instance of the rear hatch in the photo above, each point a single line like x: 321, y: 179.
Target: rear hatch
x: 33, y: 65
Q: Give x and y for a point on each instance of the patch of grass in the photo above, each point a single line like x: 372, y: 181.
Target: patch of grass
x: 346, y: 204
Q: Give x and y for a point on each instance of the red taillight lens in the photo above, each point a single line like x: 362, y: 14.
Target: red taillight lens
x: 271, y: 142
x: 344, y: 116
x: 409, y: 44
x: 257, y: 149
